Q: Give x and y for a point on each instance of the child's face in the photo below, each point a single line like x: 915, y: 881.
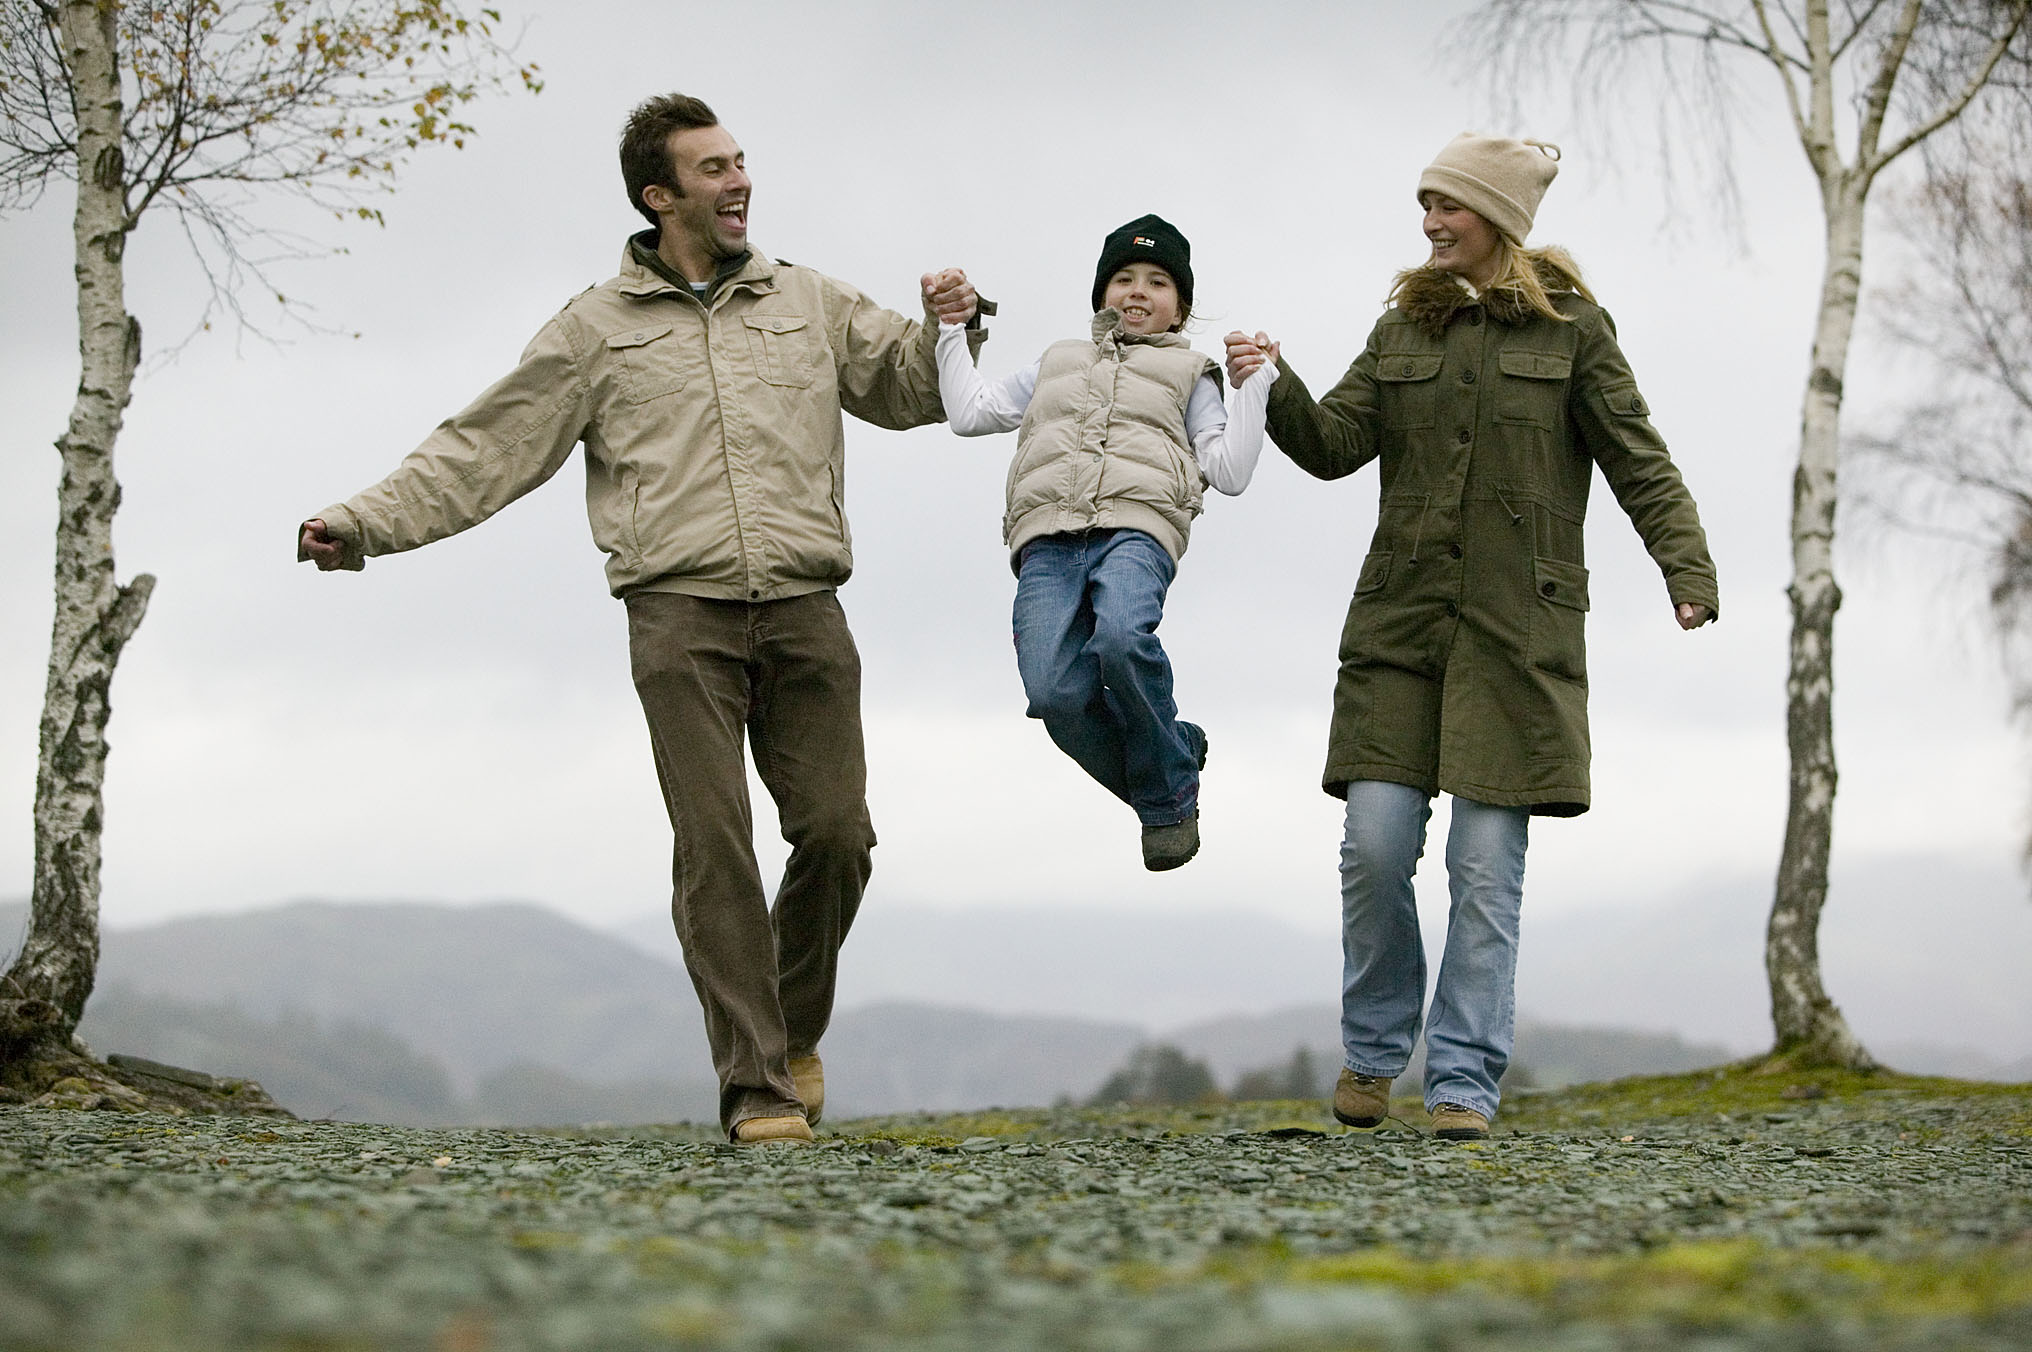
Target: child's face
x: 1147, y: 298
x: 1463, y: 242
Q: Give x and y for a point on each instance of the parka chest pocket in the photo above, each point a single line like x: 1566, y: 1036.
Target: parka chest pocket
x: 1408, y: 393
x: 784, y: 347
x: 649, y: 362
x: 1534, y: 387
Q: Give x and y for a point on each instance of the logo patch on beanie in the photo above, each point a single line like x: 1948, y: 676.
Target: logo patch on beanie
x: 1145, y: 241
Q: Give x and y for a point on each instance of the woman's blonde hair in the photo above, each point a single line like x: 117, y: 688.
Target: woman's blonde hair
x: 1530, y: 275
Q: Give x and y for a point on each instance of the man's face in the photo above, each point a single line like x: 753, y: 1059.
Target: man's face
x: 709, y: 212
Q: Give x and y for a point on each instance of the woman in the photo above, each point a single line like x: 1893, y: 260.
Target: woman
x: 1491, y: 389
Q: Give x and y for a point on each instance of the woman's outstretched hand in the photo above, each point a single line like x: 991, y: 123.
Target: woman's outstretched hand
x: 1246, y: 354
x: 1692, y: 616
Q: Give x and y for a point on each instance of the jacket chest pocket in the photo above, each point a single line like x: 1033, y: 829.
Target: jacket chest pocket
x: 784, y: 347
x: 1533, y: 389
x: 1409, y: 392
x: 649, y: 363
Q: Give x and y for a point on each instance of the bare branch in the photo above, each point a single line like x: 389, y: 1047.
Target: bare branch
x: 1877, y: 102
x: 322, y: 99
x: 1960, y: 102
x: 1771, y: 51
x: 1859, y: 24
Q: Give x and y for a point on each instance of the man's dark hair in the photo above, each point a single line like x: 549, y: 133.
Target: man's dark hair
x: 645, y: 144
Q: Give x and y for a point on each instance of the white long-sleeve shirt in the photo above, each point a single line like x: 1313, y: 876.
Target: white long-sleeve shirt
x: 1226, y: 446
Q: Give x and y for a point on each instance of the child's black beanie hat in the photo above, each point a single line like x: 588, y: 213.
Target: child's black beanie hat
x: 1147, y: 239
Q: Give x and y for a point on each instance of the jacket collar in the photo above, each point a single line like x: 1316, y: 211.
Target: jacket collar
x: 639, y: 281
x: 1107, y: 328
x: 1431, y: 299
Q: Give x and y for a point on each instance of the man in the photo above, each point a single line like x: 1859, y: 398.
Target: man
x: 707, y: 384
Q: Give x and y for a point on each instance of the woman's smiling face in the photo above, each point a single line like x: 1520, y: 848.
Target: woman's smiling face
x: 1463, y: 243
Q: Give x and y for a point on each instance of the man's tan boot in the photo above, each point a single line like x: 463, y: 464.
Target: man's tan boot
x: 1361, y: 1100
x: 1451, y: 1122
x: 789, y: 1129
x: 808, y: 1074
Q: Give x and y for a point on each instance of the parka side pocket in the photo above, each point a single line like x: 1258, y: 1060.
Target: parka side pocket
x: 1376, y: 630
x: 1375, y: 571
x: 648, y: 361
x: 1559, y: 619
x: 1408, y: 391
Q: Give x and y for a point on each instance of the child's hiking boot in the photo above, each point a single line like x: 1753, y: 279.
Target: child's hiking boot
x: 1167, y: 847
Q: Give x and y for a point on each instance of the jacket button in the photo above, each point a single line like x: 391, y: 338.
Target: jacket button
x: 1467, y: 377
x: 1409, y: 368
x: 1455, y: 551
x: 1474, y: 316
x: 1548, y: 588
x: 1452, y: 610
x: 1465, y: 436
x: 754, y: 596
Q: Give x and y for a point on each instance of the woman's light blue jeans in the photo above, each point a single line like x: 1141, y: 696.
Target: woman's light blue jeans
x: 1087, y: 608
x: 1473, y: 1020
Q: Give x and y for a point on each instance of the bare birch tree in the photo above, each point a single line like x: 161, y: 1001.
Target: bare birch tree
x: 1862, y: 82
x: 191, y: 110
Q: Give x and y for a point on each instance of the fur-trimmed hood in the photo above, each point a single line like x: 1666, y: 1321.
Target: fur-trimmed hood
x: 1430, y: 298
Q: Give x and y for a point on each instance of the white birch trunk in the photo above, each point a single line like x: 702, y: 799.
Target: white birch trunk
x: 1806, y: 1021
x: 46, y: 989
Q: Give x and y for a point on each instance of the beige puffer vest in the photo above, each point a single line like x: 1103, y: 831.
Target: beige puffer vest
x: 1103, y: 443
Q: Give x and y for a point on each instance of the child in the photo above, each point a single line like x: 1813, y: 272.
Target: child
x: 1119, y: 431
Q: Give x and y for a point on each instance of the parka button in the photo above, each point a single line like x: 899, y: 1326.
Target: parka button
x: 1474, y: 316
x: 1455, y: 551
x: 1548, y: 588
x: 1467, y: 377
x: 1452, y: 609
x: 1465, y: 436
x: 1409, y: 368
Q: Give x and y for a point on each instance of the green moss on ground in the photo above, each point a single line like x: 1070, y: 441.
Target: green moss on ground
x: 1744, y: 1090
x: 1750, y: 1087
x: 1697, y: 1284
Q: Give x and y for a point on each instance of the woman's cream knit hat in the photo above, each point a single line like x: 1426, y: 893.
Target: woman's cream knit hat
x: 1499, y: 179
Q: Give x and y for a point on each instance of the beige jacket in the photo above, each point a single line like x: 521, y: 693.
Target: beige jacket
x: 1103, y: 443
x: 714, y: 444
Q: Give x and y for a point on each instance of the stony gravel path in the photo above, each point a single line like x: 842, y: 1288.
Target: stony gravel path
x: 1892, y: 1219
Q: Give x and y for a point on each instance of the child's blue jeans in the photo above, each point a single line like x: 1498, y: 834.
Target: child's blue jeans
x: 1087, y: 608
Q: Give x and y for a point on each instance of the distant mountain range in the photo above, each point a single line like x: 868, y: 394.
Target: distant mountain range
x: 409, y: 1012
x: 1926, y: 956
x: 512, y: 1013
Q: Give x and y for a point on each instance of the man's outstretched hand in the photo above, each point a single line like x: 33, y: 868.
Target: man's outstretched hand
x: 949, y: 295
x: 319, y: 546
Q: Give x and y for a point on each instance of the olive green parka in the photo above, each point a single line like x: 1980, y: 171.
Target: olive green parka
x: 1463, y: 665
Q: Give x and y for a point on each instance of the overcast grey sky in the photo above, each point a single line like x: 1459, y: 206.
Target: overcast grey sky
x: 458, y: 723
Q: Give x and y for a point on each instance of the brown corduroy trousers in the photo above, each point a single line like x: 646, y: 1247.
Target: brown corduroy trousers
x: 784, y: 674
